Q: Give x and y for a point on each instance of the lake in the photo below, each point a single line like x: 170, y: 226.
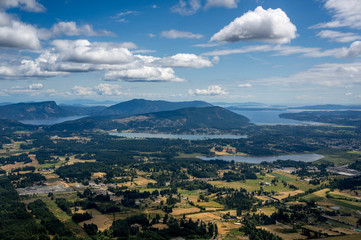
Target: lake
x: 175, y: 136
x: 51, y: 121
x: 251, y: 159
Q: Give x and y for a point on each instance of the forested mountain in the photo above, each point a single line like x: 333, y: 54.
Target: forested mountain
x: 167, y: 121
x: 31, y: 111
x: 8, y: 125
x: 347, y: 118
x: 141, y: 106
x: 328, y: 107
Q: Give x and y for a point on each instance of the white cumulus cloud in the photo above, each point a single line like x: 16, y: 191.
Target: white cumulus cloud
x: 174, y: 34
x: 101, y: 89
x: 108, y: 89
x: 185, y: 60
x: 144, y: 74
x: 27, y: 69
x: 222, y: 3
x: 27, y: 5
x: 31, y: 90
x: 36, y: 86
x: 187, y: 7
x: 115, y: 60
x: 16, y: 34
x: 245, y: 85
x: 71, y: 29
x: 81, y: 91
x: 271, y: 25
x: 83, y: 51
x: 212, y: 90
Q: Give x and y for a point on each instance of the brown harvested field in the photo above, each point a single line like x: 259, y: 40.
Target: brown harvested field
x: 160, y: 226
x: 138, y: 181
x: 77, y: 210
x: 192, y: 198
x: 327, y: 231
x: 50, y: 176
x: 8, y: 167
x: 269, y: 175
x: 231, y: 212
x: 321, y: 193
x: 344, y: 231
x: 289, y: 236
x: 225, y: 227
x: 265, y: 210
x: 347, y: 237
x: 296, y: 203
x: 213, y: 209
x: 283, y: 195
x: 227, y: 150
x: 206, y: 216
x: 348, y: 193
x: 98, y: 175
x: 102, y: 221
x: 263, y: 198
x: 181, y: 211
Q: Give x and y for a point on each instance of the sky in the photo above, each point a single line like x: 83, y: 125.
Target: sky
x: 271, y: 51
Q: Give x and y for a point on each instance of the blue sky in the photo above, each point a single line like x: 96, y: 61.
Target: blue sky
x: 270, y: 51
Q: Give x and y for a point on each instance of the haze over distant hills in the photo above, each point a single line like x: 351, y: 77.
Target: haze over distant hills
x: 328, y: 107
x: 137, y: 114
x: 50, y: 110
x: 160, y: 115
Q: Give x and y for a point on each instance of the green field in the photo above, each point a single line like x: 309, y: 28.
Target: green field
x: 338, y: 157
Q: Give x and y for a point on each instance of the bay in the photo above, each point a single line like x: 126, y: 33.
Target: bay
x: 271, y: 117
x: 50, y: 121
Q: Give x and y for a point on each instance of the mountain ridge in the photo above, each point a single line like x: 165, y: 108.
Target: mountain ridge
x: 33, y: 111
x: 141, y: 106
x: 179, y: 120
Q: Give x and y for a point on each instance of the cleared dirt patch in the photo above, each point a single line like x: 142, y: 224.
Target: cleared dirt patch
x: 181, y: 211
x: 160, y: 226
x: 283, y: 195
x: 205, y: 217
x: 102, y: 221
x: 98, y: 175
x: 226, y: 227
x: 275, y: 229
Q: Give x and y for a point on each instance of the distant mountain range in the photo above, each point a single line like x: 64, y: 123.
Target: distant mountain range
x: 137, y: 114
x: 50, y: 110
x: 165, y: 121
x: 328, y: 107
x: 81, y: 110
